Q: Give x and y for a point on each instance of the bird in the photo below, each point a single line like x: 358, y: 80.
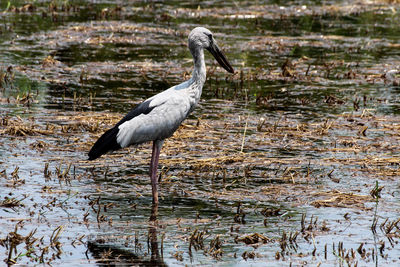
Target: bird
x: 159, y: 116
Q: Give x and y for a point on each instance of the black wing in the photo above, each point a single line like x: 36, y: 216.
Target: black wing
x: 108, y: 141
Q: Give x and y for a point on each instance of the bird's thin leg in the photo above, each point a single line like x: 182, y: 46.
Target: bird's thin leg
x: 157, y: 144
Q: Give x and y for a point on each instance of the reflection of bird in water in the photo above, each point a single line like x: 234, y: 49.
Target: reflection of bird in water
x: 158, y: 117
x: 153, y: 224
x: 111, y: 255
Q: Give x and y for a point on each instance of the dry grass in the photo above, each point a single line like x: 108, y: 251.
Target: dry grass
x: 338, y: 199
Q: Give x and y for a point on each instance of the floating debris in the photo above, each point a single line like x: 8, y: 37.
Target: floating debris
x: 11, y: 203
x: 342, y: 200
x: 254, y: 239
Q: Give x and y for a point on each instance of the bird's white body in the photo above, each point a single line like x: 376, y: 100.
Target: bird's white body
x: 169, y: 109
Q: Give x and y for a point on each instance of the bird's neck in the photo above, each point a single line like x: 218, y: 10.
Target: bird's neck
x: 199, y: 74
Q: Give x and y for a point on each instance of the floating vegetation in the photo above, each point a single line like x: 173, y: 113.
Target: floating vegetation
x: 254, y: 239
x: 11, y: 203
x: 6, y: 77
x: 341, y: 200
x: 234, y: 175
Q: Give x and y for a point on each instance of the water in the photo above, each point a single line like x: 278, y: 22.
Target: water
x: 309, y: 106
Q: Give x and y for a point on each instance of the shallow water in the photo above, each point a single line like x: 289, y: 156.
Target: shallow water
x: 312, y: 71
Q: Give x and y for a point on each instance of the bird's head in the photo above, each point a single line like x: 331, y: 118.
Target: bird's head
x: 201, y: 37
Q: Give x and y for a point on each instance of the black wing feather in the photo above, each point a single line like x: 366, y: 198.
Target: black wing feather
x: 108, y: 141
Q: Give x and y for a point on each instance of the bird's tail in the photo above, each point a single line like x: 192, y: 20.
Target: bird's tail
x: 107, y: 142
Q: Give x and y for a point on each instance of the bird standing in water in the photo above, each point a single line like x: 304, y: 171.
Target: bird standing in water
x: 158, y: 117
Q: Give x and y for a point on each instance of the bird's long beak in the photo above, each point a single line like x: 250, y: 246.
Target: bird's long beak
x: 220, y: 57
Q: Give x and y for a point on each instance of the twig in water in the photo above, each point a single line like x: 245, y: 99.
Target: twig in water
x: 244, y: 134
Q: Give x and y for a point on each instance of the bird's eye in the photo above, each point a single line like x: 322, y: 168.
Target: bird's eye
x: 209, y: 35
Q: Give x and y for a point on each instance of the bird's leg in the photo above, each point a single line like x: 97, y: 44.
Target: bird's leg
x: 157, y: 144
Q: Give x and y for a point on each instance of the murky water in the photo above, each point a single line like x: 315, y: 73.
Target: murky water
x: 310, y: 106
